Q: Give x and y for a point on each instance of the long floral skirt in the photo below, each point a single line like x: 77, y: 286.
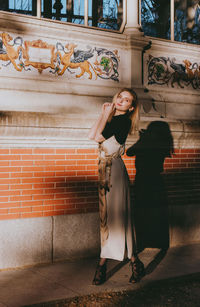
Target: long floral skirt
x: 115, y: 213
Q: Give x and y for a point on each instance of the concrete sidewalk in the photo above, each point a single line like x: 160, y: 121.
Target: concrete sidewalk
x: 51, y: 282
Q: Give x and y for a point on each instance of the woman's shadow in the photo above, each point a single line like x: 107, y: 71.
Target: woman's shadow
x: 150, y: 206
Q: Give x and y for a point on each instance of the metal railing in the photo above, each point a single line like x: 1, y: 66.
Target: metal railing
x: 38, y: 10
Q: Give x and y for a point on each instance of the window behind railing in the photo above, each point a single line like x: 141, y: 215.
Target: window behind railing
x: 177, y: 20
x: 187, y: 21
x: 27, y: 7
x: 107, y: 14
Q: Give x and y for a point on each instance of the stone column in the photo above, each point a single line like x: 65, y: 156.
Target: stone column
x: 132, y: 25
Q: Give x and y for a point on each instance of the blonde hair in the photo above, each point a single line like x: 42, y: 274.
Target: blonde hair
x: 134, y: 114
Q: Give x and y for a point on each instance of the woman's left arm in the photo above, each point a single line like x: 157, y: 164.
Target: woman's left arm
x: 97, y: 129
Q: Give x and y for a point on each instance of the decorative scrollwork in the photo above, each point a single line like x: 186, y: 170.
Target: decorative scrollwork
x: 95, y: 62
x: 162, y: 70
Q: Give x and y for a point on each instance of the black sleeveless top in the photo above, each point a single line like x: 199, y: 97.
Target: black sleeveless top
x: 119, y: 126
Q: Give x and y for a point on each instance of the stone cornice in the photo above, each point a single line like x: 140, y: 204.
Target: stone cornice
x: 32, y: 129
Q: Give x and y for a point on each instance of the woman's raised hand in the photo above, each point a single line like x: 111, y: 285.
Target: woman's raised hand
x: 108, y: 109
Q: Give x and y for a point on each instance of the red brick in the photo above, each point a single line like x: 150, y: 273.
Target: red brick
x: 192, y: 155
x: 32, y: 157
x: 54, y: 157
x: 3, y: 211
x: 46, y: 196
x: 55, y: 179
x: 10, y: 204
x: 10, y: 216
x: 21, y: 151
x: 4, y: 151
x: 65, y: 151
x: 10, y: 169
x: 74, y: 167
x: 32, y: 180
x: 69, y: 185
x: 63, y: 195
x: 32, y: 203
x: 37, y: 209
x: 4, y: 187
x: 65, y: 162
x: 187, y: 150
x: 32, y: 192
x: 44, y: 162
x: 43, y: 151
x: 20, y: 210
x: 92, y: 178
x: 32, y: 169
x: 87, y: 162
x: 21, y: 163
x: 91, y: 157
x: 86, y: 151
x: 43, y: 185
x: 4, y: 175
x: 44, y: 174
x: 76, y: 200
x: 54, y: 202
x: 54, y: 191
x: 10, y: 157
x: 9, y: 193
x: 20, y: 186
x: 64, y: 207
x: 49, y: 207
x: 3, y: 199
x: 76, y: 157
x: 92, y: 167
x: 5, y: 163
x: 20, y: 198
x: 21, y: 175
x: 60, y: 184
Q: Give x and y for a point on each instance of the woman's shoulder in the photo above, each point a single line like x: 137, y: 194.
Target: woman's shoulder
x: 123, y: 118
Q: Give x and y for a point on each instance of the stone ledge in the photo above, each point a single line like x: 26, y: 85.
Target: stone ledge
x: 19, y: 129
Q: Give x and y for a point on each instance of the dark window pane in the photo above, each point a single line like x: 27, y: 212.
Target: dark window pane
x: 27, y: 7
x: 187, y: 21
x: 155, y: 18
x: 70, y: 10
x: 107, y: 14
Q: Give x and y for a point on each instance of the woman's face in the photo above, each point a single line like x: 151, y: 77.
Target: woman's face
x: 124, y: 102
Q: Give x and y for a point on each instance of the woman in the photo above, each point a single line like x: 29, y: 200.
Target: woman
x: 116, y: 120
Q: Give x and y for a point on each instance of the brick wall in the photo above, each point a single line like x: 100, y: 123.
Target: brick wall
x: 46, y: 182
x: 182, y: 174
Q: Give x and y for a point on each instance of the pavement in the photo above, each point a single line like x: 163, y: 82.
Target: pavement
x: 61, y: 280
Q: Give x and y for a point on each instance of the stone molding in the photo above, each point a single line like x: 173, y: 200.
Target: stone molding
x: 32, y: 129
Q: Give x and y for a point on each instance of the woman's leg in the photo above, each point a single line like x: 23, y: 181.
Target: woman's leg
x: 100, y: 274
x: 138, y: 270
x: 102, y: 261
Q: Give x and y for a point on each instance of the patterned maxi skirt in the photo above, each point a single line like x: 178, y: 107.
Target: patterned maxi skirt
x: 116, y: 227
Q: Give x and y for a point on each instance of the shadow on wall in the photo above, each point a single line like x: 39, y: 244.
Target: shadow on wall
x: 183, y: 189
x: 69, y: 234
x: 150, y: 205
x: 8, y: 21
x: 183, y: 185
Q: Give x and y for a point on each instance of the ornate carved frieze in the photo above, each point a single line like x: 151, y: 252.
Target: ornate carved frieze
x: 172, y: 72
x: 69, y: 58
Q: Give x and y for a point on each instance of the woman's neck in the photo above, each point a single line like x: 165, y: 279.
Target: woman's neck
x: 117, y: 112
